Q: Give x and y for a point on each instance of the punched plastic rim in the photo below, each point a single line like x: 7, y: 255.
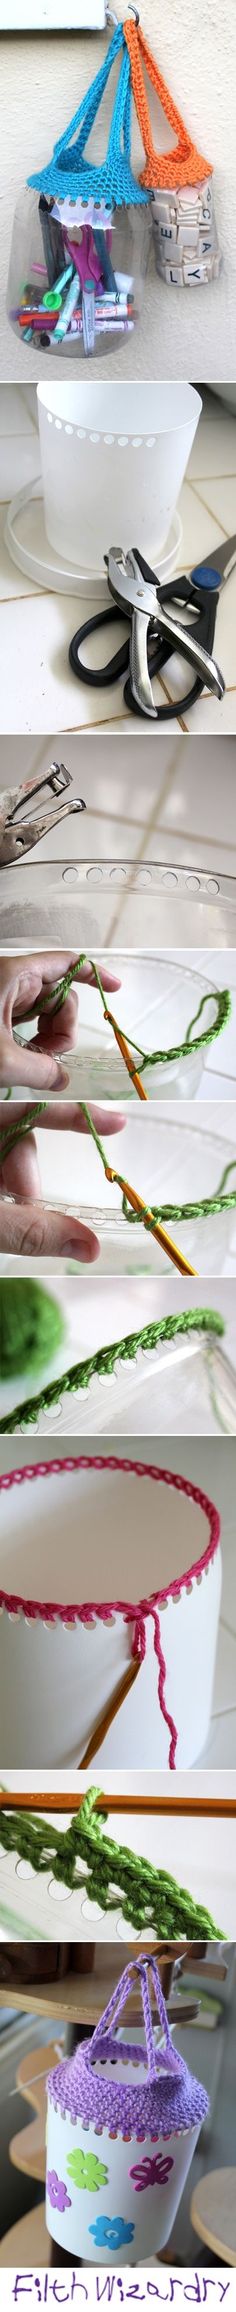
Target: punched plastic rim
x: 35, y: 1609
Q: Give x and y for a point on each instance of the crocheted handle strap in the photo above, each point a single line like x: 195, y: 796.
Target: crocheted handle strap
x: 103, y: 2040
x: 184, y: 166
x: 87, y: 111
x: 113, y: 178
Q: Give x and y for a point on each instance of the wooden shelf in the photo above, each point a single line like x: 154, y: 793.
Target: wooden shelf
x: 27, y: 2244
x: 213, y: 2213
x: 76, y: 1998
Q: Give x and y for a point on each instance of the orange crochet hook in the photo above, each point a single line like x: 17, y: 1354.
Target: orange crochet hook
x: 126, y: 1055
x: 155, y: 1226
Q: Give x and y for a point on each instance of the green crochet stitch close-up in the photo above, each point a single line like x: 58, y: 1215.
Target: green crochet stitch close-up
x: 206, y: 1322
x: 112, y: 1877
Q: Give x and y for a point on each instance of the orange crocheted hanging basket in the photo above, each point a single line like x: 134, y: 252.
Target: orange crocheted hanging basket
x: 183, y: 166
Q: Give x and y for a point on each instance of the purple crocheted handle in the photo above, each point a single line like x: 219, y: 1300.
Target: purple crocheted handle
x: 103, y: 2038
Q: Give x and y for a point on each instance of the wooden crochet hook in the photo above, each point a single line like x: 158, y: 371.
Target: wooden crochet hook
x: 69, y: 1802
x: 154, y: 1226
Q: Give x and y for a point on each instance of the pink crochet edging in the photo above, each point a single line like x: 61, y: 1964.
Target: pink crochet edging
x: 49, y: 1612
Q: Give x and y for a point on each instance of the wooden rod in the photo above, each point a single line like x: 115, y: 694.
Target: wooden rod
x: 69, y: 1802
x: 106, y: 1721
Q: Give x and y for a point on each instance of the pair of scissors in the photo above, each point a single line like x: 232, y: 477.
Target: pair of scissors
x: 157, y: 633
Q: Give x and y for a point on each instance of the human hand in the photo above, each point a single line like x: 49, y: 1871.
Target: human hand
x: 24, y: 980
x: 25, y: 1226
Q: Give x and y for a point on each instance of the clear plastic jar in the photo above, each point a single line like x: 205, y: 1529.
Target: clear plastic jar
x: 76, y: 274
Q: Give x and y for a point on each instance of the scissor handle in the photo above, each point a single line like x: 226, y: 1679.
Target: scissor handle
x: 98, y: 678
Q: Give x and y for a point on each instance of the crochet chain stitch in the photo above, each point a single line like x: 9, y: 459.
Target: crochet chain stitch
x: 78, y: 1376
x: 56, y: 997
x: 150, y: 1898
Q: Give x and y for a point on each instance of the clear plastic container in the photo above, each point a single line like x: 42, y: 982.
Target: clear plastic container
x: 76, y: 321
x: 78, y: 900
x: 167, y: 1162
x: 157, y: 999
x: 187, y: 1382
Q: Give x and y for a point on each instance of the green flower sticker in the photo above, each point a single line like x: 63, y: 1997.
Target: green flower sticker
x: 86, y: 2170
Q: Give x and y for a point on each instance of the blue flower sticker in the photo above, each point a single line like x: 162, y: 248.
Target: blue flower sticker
x: 111, y: 2232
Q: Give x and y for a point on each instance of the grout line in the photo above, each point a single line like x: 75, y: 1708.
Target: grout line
x: 194, y: 479
x: 203, y: 502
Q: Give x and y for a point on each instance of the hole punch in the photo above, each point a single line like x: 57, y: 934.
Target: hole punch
x: 18, y: 838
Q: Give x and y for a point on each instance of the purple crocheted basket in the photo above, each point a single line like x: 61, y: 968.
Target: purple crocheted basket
x: 97, y: 2119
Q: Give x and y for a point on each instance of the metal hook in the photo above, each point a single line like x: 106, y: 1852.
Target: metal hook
x: 111, y: 17
x: 134, y: 12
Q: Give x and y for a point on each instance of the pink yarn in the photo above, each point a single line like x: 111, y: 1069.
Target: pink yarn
x: 50, y: 1611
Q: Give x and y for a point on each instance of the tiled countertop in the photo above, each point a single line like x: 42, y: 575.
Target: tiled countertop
x: 43, y: 694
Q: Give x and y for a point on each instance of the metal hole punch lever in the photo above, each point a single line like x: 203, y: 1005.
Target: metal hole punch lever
x: 16, y: 840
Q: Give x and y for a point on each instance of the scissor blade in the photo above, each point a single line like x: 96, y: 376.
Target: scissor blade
x: 222, y: 560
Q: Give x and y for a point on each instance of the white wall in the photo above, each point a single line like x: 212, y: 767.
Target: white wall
x: 43, y: 78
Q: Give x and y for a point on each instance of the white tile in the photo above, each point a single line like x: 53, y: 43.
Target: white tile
x: 213, y: 715
x: 214, y: 448
x: 219, y: 494
x: 46, y: 696
x: 201, y: 529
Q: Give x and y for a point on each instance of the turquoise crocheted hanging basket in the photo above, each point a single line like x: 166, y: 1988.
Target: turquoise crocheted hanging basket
x: 69, y: 173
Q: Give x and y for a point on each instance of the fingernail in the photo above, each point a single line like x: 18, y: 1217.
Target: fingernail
x: 77, y: 1249
x: 59, y: 1078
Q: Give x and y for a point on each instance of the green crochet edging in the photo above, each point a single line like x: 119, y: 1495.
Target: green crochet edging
x: 150, y: 1898
x: 200, y: 1209
x: 54, y: 998
x: 206, y: 1321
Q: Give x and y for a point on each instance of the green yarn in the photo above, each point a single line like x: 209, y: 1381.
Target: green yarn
x: 224, y: 1199
x: 221, y: 1202
x: 55, y: 997
x: 18, y: 1131
x: 205, y: 1321
x: 31, y: 1326
x: 150, y: 1898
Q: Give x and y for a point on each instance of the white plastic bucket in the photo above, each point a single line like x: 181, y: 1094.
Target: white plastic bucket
x: 135, y: 2222
x: 113, y: 461
x: 102, y: 1531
